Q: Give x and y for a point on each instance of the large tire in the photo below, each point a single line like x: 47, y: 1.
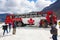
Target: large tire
x: 21, y: 24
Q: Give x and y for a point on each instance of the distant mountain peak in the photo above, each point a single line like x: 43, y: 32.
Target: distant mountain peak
x: 58, y: 0
x: 54, y: 7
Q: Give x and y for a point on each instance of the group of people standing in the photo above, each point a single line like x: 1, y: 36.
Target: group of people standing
x: 53, y: 25
x: 50, y: 21
x: 6, y: 26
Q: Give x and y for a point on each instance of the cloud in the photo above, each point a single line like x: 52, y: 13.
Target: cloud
x: 22, y: 6
x: 42, y: 4
x: 51, y: 0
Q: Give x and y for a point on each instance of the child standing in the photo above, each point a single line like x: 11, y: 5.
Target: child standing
x: 5, y: 28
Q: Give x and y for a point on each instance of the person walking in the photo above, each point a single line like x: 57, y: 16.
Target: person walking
x: 5, y: 28
x: 14, y: 27
x: 54, y: 33
x: 10, y: 27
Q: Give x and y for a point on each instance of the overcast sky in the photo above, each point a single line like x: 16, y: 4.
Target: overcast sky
x: 23, y: 6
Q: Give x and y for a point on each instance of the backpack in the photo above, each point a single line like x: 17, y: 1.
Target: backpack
x: 53, y: 31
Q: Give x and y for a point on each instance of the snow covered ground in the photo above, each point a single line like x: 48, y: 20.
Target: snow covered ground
x: 28, y: 33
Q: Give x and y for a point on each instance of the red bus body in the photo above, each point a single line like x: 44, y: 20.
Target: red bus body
x: 10, y: 19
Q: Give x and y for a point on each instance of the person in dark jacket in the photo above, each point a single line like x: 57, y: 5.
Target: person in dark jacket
x: 14, y: 27
x: 10, y: 27
x: 5, y: 28
x: 54, y: 33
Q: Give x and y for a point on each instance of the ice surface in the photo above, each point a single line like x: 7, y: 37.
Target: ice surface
x: 28, y: 33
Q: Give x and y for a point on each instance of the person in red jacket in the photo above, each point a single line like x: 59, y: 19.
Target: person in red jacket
x: 51, y: 18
